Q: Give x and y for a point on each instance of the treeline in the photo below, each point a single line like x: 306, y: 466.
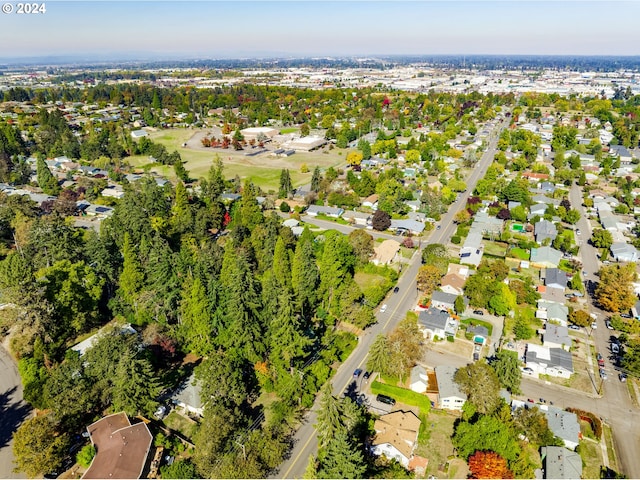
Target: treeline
x: 258, y: 306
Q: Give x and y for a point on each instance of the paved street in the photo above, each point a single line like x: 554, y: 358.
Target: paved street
x: 13, y: 411
x: 397, y: 305
x: 615, y: 405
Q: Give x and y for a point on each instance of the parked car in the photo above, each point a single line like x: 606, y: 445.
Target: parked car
x: 366, y: 376
x: 623, y: 377
x: 385, y: 399
x: 603, y: 374
x: 396, y: 290
x: 625, y: 315
x: 608, y: 324
x: 578, y: 232
x: 160, y: 412
x: 601, y: 362
x: 574, y: 327
x: 615, y: 348
x: 594, y: 325
x: 383, y: 308
x: 527, y: 370
x: 478, y: 312
x: 357, y: 373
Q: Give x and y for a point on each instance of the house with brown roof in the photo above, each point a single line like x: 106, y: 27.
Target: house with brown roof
x: 121, y: 448
x: 386, y: 252
x: 453, y: 283
x: 396, y: 436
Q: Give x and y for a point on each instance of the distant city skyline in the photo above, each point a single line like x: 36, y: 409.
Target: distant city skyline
x: 219, y: 29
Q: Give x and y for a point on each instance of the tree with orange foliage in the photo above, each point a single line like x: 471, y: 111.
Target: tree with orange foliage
x: 488, y: 465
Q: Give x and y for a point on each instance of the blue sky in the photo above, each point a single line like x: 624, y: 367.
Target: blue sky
x: 242, y: 28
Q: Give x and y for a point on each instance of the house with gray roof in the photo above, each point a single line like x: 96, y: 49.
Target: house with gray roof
x: 486, y: 224
x: 564, y: 425
x: 555, y: 362
x: 472, y: 250
x: 556, y: 336
x: 608, y: 220
x: 537, y: 209
x: 187, y: 396
x: 449, y: 394
x: 434, y: 322
x: 624, y: 252
x: 545, y: 257
x: 419, y: 380
x: 443, y: 300
x: 560, y: 463
x: 558, y: 312
x: 315, y: 210
x: 544, y: 229
x: 413, y: 226
x: 555, y: 278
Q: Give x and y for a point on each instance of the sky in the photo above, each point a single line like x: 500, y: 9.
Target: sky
x: 230, y: 29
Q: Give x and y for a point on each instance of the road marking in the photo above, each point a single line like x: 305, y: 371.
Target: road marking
x: 295, y: 460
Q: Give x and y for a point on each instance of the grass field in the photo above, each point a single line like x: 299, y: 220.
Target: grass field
x: 403, y: 395
x: 262, y: 170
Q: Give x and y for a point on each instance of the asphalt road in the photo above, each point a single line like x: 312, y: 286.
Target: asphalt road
x: 13, y: 411
x: 305, y: 440
x: 615, y: 404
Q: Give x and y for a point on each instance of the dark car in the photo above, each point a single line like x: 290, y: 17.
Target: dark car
x: 396, y: 290
x: 478, y: 312
x: 366, y: 375
x: 357, y: 373
x: 385, y: 399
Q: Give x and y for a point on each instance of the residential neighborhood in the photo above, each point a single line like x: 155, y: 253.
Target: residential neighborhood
x: 325, y: 273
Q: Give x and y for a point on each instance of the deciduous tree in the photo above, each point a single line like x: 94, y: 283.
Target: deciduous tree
x: 488, y: 465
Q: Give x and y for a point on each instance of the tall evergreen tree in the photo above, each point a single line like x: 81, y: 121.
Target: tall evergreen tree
x: 304, y: 274
x: 195, y: 319
x: 286, y: 187
x: 342, y: 459
x: 316, y: 178
x: 287, y: 341
x: 132, y: 276
x: 328, y: 421
x: 47, y: 182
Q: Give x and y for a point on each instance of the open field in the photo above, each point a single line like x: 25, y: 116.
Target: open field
x: 262, y: 169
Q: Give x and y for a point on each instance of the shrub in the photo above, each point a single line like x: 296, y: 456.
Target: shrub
x: 455, y: 239
x: 85, y: 455
x: 284, y: 207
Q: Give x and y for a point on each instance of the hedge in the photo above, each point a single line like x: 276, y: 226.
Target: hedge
x: 403, y: 395
x: 594, y: 420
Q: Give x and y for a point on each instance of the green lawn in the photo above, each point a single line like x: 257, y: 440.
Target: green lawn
x: 434, y: 442
x: 474, y: 321
x: 496, y: 249
x: 591, y: 458
x: 519, y: 253
x: 262, y: 170
x: 182, y: 425
x: 403, y: 395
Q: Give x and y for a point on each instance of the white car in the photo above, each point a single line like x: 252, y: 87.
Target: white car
x: 383, y: 308
x: 594, y: 325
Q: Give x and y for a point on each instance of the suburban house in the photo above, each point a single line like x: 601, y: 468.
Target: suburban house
x: 537, y: 210
x: 434, y: 322
x: 371, y: 201
x: 396, y: 436
x: 549, y: 361
x: 419, y: 380
x: 443, y: 300
x: 453, y: 284
x: 560, y: 463
x: 456, y: 268
x: 187, y: 396
x: 557, y: 312
x: 472, y: 249
x: 357, y: 218
x: 86, y: 344
x: 386, y: 252
x: 449, y: 394
x: 556, y: 336
x: 555, y: 278
x: 121, y: 448
x: 624, y: 252
x: 480, y: 334
x: 315, y: 210
x: 413, y: 226
x: 545, y: 230
x: 564, y: 425
x: 545, y: 257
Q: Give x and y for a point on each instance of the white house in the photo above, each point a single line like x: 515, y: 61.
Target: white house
x: 555, y: 362
x: 449, y: 394
x: 419, y: 380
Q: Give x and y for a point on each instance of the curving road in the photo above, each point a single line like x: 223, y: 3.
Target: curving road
x: 305, y: 440
x: 13, y: 411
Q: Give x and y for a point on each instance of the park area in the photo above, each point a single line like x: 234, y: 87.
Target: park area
x: 262, y: 169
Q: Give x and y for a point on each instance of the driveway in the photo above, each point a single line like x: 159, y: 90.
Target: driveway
x: 13, y: 411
